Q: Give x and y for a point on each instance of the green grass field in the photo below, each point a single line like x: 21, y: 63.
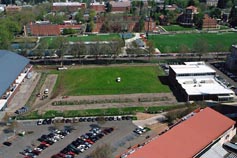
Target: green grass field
x: 108, y: 37
x: 100, y: 81
x: 177, y: 28
x: 171, y: 43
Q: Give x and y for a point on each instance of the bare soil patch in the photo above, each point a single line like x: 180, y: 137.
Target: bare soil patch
x: 143, y: 116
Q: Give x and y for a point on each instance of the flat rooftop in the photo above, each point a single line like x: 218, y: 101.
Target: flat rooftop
x: 188, y: 138
x: 203, y: 85
x: 192, y: 67
x: 67, y: 4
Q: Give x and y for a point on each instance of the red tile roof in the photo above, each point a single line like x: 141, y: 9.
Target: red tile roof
x: 209, y: 22
x: 191, y: 7
x: 187, y: 138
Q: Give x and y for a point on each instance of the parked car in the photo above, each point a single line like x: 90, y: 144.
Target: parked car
x: 21, y: 110
x: 7, y: 143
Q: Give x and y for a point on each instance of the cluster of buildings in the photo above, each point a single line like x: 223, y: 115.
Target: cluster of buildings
x: 12, y: 75
x: 98, y: 7
x: 187, y: 18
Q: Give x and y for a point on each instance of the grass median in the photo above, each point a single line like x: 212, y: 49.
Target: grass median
x: 101, y: 112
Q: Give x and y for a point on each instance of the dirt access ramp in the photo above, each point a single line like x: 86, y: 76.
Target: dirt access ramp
x: 49, y: 84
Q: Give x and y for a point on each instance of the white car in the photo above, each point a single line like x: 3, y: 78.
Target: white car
x: 62, y: 68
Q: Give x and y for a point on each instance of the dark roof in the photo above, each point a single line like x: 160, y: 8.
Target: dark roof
x: 11, y: 65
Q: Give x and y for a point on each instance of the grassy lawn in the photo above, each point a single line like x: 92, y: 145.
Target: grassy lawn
x: 108, y: 37
x: 171, y: 43
x: 24, y: 39
x: 101, y: 112
x: 100, y: 81
x: 177, y: 28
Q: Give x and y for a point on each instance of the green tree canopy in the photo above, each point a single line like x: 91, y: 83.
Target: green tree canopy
x: 200, y: 47
x: 198, y: 20
x: 79, y: 16
x: 222, y: 4
x: 233, y: 16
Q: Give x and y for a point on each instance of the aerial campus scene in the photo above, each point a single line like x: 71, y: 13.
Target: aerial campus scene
x: 118, y: 78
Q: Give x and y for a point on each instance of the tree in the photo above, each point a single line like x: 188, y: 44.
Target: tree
x: 78, y: 49
x: 215, y: 13
x: 116, y: 46
x: 140, y: 24
x: 61, y: 47
x: 103, y: 151
x: 90, y: 26
x: 183, y: 49
x: 191, y: 2
x: 5, y: 38
x: 79, y: 16
x: 219, y: 48
x: 233, y: 16
x: 181, y: 3
x: 108, y: 7
x: 151, y: 48
x: 198, y: 20
x: 55, y: 19
x: 92, y: 15
x: 200, y: 47
x: 222, y: 4
x: 172, y: 16
x: 69, y: 31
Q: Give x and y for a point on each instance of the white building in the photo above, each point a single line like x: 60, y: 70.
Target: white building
x: 197, y: 81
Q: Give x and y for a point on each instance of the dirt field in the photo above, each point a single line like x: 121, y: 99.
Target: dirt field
x: 48, y: 84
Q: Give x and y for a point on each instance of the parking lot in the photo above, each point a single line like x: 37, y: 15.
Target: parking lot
x: 120, y: 139
x: 227, y: 77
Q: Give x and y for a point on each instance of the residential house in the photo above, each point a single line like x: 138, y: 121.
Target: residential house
x: 186, y: 18
x: 209, y: 23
